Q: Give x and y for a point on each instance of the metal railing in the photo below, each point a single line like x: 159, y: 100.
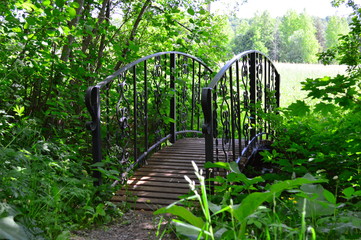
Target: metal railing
x: 144, y: 104
x: 235, y: 103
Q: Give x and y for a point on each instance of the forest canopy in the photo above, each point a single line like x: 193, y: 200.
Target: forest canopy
x: 294, y: 37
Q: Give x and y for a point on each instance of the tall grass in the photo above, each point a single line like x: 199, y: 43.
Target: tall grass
x: 293, y: 74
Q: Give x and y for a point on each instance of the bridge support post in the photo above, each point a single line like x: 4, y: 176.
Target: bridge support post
x: 252, y: 86
x: 93, y: 104
x: 173, y: 100
x: 207, y: 106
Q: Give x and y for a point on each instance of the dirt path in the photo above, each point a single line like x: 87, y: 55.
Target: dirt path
x: 134, y: 225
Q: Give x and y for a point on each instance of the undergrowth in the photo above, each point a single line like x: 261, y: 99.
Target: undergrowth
x: 46, y: 186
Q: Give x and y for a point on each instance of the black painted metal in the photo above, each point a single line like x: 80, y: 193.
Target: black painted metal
x: 234, y: 102
x: 246, y: 153
x: 144, y: 104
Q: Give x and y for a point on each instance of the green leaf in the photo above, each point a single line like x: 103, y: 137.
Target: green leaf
x: 183, y: 213
x: 168, y: 120
x: 31, y: 20
x: 16, y: 29
x: 46, y: 3
x: 191, y: 11
x: 71, y: 12
x: 203, y: 11
x: 98, y: 164
x: 240, y: 177
x: 9, y: 229
x: 223, y: 165
x: 234, y: 167
x: 250, y: 204
x: 64, y: 235
x: 329, y: 196
x: 289, y: 184
x: 227, y: 208
x: 59, y: 3
x: 213, y: 207
x: 187, y: 229
x: 19, y: 111
x: 325, y: 108
x: 100, y: 209
x: 299, y: 108
x: 348, y: 192
x: 74, y: 5
x: 27, y: 6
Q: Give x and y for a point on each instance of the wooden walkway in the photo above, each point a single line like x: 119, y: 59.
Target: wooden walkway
x: 160, y: 181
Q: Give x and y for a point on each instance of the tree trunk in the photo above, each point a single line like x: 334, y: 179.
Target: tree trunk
x: 133, y: 32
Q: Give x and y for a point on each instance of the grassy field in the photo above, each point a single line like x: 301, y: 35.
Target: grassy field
x: 293, y: 74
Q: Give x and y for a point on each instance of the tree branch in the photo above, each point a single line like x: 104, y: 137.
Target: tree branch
x: 133, y: 32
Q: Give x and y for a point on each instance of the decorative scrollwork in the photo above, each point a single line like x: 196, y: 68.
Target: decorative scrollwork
x: 157, y: 71
x: 259, y: 91
x: 122, y: 113
x: 158, y: 92
x: 184, y: 65
x: 225, y: 115
x: 245, y: 78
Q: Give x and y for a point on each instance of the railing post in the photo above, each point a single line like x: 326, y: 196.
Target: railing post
x: 252, y: 86
x: 173, y: 100
x: 135, y: 113
x: 92, y: 101
x: 207, y: 106
x: 278, y: 82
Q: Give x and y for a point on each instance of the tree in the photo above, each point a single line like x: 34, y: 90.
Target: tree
x: 52, y: 50
x: 298, y: 31
x: 259, y: 36
x: 336, y: 26
x: 343, y: 90
x: 320, y: 25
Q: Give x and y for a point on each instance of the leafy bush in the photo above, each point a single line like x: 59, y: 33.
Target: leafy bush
x: 46, y: 189
x: 319, y: 143
x: 292, y: 209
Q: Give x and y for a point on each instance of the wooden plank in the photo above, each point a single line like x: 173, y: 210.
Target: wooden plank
x: 160, y: 190
x: 179, y: 167
x: 162, y: 174
x: 157, y: 183
x: 161, y: 181
x: 149, y: 194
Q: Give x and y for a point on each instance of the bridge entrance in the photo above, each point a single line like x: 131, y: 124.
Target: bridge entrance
x: 151, y: 118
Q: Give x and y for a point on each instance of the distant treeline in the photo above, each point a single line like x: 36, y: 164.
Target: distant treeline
x: 295, y: 37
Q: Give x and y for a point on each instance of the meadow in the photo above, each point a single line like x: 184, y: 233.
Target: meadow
x: 293, y: 74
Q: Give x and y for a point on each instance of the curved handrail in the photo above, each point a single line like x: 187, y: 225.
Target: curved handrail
x: 140, y: 86
x: 108, y: 79
x: 233, y: 103
x: 224, y: 69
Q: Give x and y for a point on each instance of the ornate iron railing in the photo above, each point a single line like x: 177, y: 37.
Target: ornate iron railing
x: 234, y: 104
x: 143, y: 104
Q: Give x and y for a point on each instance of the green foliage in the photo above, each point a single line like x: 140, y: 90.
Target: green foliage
x: 319, y: 142
x: 297, y: 34
x: 50, y: 52
x: 294, y: 37
x: 336, y: 26
x: 343, y: 90
x: 46, y: 182
x: 9, y: 228
x: 259, y: 36
x: 294, y: 209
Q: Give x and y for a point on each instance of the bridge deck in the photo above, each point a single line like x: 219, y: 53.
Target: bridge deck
x: 160, y: 181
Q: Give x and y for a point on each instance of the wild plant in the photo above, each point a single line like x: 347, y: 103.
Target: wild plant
x: 228, y: 219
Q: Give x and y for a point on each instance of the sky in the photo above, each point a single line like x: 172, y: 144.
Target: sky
x: 320, y: 8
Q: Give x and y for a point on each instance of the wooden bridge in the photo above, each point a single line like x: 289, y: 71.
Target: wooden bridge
x: 151, y: 118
